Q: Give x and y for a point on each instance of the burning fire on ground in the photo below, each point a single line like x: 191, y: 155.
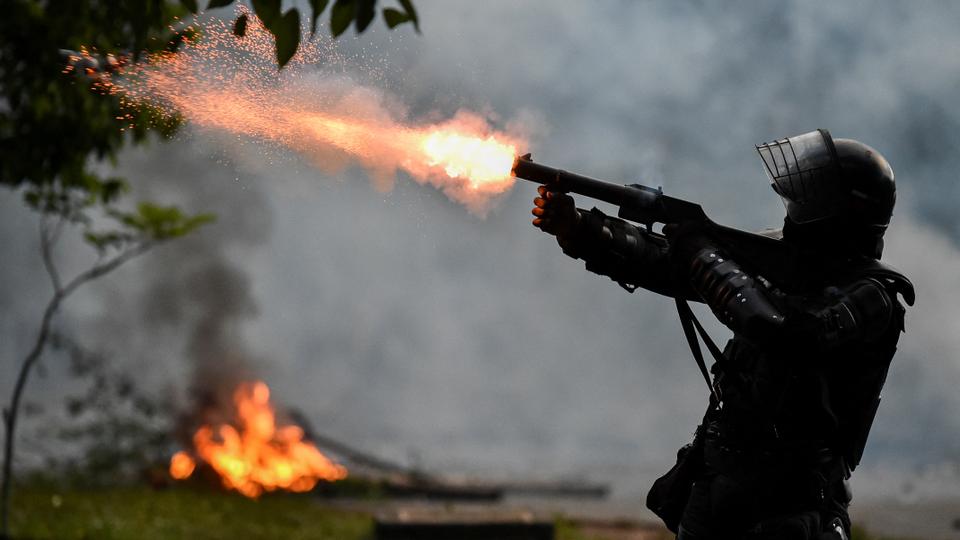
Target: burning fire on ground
x: 229, y: 84
x: 257, y: 455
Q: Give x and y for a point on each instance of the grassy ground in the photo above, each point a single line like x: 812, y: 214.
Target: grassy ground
x: 190, y: 513
x: 143, y: 513
x: 859, y: 533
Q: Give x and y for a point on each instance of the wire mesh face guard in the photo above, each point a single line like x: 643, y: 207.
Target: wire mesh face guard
x: 805, y: 171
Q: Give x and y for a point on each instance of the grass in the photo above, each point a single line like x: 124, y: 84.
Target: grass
x: 197, y: 513
x: 859, y: 533
x: 144, y: 513
x: 189, y: 513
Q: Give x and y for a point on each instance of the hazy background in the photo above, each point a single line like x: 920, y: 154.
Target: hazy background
x: 406, y: 326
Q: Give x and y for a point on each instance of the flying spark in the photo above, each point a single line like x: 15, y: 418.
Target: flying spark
x: 221, y: 82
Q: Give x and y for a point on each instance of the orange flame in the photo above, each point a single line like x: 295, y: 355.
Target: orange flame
x: 260, y: 456
x: 182, y: 465
x: 480, y: 160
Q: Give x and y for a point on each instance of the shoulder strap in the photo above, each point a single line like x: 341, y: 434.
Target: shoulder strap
x: 692, y: 327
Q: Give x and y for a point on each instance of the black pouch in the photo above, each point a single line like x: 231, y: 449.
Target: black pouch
x: 669, y: 494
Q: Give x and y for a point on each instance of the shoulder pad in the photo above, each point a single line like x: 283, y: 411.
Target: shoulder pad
x: 775, y: 233
x: 891, y: 279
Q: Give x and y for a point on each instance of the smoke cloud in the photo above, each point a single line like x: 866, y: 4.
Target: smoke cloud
x: 408, y: 327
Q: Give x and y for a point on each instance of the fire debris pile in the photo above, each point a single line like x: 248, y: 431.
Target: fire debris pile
x: 257, y: 455
x: 253, y: 455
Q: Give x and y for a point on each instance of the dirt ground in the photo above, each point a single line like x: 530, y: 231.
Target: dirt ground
x: 932, y: 519
x: 628, y: 520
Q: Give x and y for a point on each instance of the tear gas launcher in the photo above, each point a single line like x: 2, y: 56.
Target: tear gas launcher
x: 762, y: 255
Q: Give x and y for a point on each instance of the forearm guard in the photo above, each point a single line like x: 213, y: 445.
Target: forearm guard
x: 734, y: 296
x: 615, y: 248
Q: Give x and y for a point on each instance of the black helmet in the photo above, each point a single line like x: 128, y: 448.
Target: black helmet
x: 841, y: 181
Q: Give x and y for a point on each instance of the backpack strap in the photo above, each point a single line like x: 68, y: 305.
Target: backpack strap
x: 691, y: 327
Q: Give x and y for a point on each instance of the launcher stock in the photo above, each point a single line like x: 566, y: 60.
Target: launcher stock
x: 768, y: 257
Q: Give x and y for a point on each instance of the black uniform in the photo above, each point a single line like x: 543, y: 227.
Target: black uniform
x: 800, y: 379
x: 799, y: 383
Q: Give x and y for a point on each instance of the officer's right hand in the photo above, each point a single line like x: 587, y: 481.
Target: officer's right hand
x: 555, y: 213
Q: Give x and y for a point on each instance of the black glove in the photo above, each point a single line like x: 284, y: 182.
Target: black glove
x: 555, y: 213
x: 686, y: 241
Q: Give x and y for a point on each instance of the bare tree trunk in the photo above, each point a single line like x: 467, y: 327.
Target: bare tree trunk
x: 10, y: 413
x: 48, y: 238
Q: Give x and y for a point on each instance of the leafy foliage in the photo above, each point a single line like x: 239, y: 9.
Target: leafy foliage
x: 240, y: 26
x: 317, y: 6
x: 191, y: 5
x: 51, y: 124
x: 149, y: 221
x: 287, y: 32
x: 285, y: 26
x: 394, y: 17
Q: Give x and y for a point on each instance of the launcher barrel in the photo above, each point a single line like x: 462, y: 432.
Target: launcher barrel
x: 563, y: 181
x: 636, y: 202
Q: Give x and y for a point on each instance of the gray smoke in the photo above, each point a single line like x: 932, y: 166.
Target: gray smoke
x: 403, y: 324
x: 195, y: 292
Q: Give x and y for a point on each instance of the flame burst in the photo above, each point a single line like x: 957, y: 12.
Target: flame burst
x: 232, y: 84
x: 259, y: 455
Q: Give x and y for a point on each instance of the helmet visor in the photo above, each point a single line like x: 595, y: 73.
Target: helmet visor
x: 803, y: 170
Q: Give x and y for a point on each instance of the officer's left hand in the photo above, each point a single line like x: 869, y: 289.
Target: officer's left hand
x: 685, y: 241
x: 556, y: 213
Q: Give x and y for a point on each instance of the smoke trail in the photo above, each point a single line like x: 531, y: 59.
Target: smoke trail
x: 231, y: 84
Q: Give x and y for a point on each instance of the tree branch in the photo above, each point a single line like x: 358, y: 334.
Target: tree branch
x: 47, y: 240
x: 108, y: 265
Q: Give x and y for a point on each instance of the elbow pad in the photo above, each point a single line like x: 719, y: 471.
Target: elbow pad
x: 861, y: 311
x: 736, y: 298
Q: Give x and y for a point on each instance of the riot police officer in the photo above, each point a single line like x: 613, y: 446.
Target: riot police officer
x: 799, y: 383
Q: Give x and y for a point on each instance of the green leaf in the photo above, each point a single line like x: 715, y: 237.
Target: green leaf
x: 341, y: 14
x: 104, y: 240
x: 112, y: 189
x: 240, y: 26
x: 365, y: 12
x: 316, y: 8
x: 32, y: 198
x: 218, y: 3
x: 287, y: 32
x: 191, y: 5
x: 152, y: 221
x: 411, y: 13
x: 267, y: 10
x: 394, y: 17
x: 198, y: 220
